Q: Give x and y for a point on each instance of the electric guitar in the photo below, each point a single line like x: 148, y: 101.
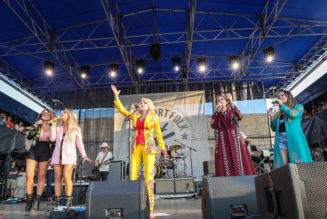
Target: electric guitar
x: 97, y: 168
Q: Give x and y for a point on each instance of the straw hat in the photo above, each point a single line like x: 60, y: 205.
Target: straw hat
x: 104, y: 145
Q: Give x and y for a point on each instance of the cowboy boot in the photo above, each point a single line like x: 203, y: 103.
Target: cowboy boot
x: 29, y: 202
x: 36, y: 204
x: 69, y: 201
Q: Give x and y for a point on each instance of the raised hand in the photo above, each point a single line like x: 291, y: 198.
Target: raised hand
x: 114, y: 89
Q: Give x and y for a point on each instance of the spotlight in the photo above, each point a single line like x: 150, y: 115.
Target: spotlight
x: 269, y: 53
x: 85, y: 71
x: 234, y: 62
x: 176, y: 62
x: 113, y: 69
x: 48, y: 67
x: 202, y: 64
x: 140, y: 64
x: 155, y: 51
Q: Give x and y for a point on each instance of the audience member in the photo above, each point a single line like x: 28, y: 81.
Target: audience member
x: 3, y: 118
x: 9, y: 122
x: 20, y: 127
x: 11, y: 181
x: 20, y: 184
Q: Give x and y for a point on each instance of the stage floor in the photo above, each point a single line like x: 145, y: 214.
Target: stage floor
x: 183, y: 208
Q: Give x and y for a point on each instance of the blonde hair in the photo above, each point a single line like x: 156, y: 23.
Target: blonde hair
x: 150, y: 105
x: 72, y: 124
x: 223, y: 96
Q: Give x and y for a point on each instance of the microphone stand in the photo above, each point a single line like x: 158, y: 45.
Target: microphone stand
x: 128, y: 118
x: 190, y: 148
x: 235, y: 122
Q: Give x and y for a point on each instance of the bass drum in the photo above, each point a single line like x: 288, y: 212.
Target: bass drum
x: 157, y: 170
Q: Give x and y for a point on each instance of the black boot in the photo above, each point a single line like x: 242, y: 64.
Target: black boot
x: 36, y: 204
x: 29, y: 202
x: 58, y: 199
x: 69, y: 201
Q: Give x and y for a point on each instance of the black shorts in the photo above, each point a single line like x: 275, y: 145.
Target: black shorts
x: 41, y: 152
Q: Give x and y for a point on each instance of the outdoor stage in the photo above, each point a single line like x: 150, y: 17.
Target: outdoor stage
x: 164, y: 208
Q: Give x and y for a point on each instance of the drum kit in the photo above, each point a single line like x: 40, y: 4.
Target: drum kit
x: 174, y: 165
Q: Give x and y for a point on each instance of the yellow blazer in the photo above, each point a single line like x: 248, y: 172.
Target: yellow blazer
x: 151, y: 122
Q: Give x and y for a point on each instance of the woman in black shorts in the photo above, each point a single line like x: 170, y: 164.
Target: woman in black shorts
x: 38, y: 157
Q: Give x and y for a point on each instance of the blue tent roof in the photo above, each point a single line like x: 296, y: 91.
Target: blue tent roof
x: 98, y: 33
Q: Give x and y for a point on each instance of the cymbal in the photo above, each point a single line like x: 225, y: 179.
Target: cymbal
x: 175, y: 147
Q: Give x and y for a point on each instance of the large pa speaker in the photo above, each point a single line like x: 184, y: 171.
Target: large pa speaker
x: 128, y: 198
x: 293, y: 191
x: 116, y: 170
x: 229, y: 197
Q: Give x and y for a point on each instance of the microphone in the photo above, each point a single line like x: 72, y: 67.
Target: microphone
x: 137, y: 106
x: 53, y: 120
x: 274, y: 102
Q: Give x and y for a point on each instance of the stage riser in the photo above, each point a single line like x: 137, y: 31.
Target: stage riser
x: 174, y: 186
x: 219, y: 193
x: 301, y: 191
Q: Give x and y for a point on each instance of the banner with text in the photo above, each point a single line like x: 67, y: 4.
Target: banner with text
x: 183, y: 123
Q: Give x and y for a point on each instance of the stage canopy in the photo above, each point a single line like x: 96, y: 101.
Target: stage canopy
x: 73, y: 34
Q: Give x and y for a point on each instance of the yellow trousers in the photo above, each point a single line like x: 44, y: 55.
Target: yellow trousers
x: 149, y: 162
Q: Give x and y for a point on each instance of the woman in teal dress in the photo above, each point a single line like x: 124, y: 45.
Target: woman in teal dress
x: 290, y: 143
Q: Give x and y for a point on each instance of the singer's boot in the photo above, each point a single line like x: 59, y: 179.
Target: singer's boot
x: 29, y: 202
x: 58, y: 199
x: 36, y: 204
x: 69, y: 201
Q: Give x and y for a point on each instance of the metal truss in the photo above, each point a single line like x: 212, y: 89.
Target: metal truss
x: 254, y: 29
x: 265, y: 23
x: 318, y: 49
x: 33, y: 20
x: 14, y: 75
x: 189, y: 39
x: 286, y: 28
x: 120, y: 37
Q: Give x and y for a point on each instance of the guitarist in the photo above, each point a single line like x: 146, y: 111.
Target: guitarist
x: 102, y: 162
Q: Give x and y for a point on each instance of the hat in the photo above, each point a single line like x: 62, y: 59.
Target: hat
x: 104, y: 145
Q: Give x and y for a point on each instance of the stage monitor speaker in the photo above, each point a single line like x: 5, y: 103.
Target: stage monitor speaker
x: 229, y: 197
x: 300, y: 191
x: 116, y: 170
x: 79, y: 194
x: 127, y: 198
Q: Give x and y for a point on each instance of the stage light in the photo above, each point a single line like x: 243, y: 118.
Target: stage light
x: 85, y: 71
x: 202, y: 64
x: 140, y: 65
x: 48, y: 67
x: 234, y: 62
x: 176, y: 62
x: 269, y: 53
x: 155, y: 51
x: 113, y: 70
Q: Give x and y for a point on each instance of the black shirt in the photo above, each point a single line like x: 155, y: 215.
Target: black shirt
x: 282, y: 127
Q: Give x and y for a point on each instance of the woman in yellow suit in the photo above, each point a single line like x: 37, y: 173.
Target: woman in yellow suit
x: 144, y: 121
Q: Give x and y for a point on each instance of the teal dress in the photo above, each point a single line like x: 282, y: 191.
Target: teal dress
x: 298, y: 148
